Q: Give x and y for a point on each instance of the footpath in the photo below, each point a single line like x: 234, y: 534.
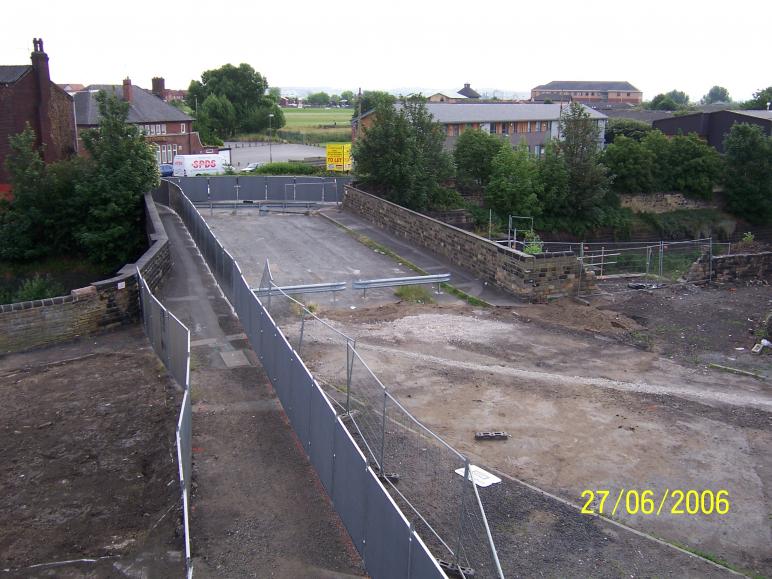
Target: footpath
x: 258, y: 509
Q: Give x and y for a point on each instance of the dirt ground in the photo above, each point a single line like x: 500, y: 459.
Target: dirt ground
x: 595, y: 399
x: 89, y: 470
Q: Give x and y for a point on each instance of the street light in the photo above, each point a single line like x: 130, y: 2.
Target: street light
x: 270, y: 153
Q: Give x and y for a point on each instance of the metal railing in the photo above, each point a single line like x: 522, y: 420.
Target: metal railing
x: 170, y: 339
x: 365, y: 285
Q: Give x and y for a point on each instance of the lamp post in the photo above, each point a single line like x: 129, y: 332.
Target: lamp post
x: 270, y: 152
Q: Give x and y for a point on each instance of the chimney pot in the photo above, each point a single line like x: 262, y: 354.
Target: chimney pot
x: 159, y: 87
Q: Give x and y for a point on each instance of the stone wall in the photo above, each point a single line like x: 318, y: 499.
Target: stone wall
x: 733, y: 267
x: 102, y: 305
x: 534, y: 278
x: 662, y: 202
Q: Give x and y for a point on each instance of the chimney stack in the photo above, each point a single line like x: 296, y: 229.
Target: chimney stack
x: 127, y: 89
x: 43, y: 80
x: 159, y: 87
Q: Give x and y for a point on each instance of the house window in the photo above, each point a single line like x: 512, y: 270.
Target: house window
x: 505, y: 128
x: 174, y: 153
x: 619, y: 94
x: 182, y: 128
x: 157, y: 154
x: 628, y: 94
x: 163, y: 129
x: 456, y: 130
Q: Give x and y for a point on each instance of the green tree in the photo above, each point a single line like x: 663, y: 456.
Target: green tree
x: 748, y: 183
x: 580, y: 148
x: 716, y: 94
x: 630, y: 164
x: 760, y: 99
x: 474, y: 155
x: 370, y: 100
x: 218, y: 115
x: 630, y: 128
x: 275, y: 93
x: 318, y: 98
x: 347, y: 96
x: 658, y: 145
x: 246, y: 90
x: 553, y: 174
x: 695, y: 167
x: 679, y: 97
x: 515, y: 186
x: 401, y: 156
x: 125, y: 168
x: 663, y: 102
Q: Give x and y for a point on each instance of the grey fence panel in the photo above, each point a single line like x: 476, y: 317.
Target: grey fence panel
x: 253, y: 311
x: 321, y: 436
x: 387, y: 550
x: 178, y: 348
x: 287, y: 374
x: 194, y: 187
x: 185, y: 460
x: 422, y: 562
x: 349, y: 493
x: 253, y: 187
x: 300, y: 394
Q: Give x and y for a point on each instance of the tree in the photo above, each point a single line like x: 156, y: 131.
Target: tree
x: 347, y: 96
x: 218, y: 116
x: 717, y: 94
x: 695, y: 167
x: 630, y: 128
x: 658, y: 145
x: 370, y: 100
x: 679, y: 97
x: 275, y: 93
x: 514, y: 187
x: 244, y: 88
x: 553, y: 173
x: 662, y: 102
x: 580, y: 148
x: 335, y: 99
x: 474, y: 155
x: 760, y: 99
x: 401, y: 155
x: 124, y: 169
x: 318, y: 98
x: 748, y: 183
x: 630, y: 164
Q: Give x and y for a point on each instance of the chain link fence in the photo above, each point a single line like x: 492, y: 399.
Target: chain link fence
x: 171, y: 342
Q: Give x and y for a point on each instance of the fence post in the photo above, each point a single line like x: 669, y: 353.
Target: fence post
x: 461, y: 517
x: 581, y: 269
x: 383, y: 433
x: 661, y: 257
x: 710, y: 260
x: 209, y: 197
x: 236, y: 203
x: 409, y: 549
x: 349, y: 371
x: 302, y: 327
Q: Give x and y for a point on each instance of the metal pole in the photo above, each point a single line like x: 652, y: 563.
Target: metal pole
x: 383, y: 433
x: 581, y: 269
x: 661, y: 257
x: 490, y: 222
x: 270, y: 131
x: 349, y: 370
x: 409, y: 545
x: 302, y: 327
x: 294, y: 188
x: 461, y: 517
x: 209, y: 196
x: 237, y: 187
x: 602, y: 254
x: 710, y: 260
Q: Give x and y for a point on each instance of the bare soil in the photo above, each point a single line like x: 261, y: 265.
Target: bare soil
x: 593, y: 399
x: 89, y: 468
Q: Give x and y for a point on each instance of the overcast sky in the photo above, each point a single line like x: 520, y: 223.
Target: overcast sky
x: 390, y: 44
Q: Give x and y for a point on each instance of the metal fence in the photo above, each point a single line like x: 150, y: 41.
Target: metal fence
x: 171, y: 342
x: 355, y: 433
x: 263, y: 188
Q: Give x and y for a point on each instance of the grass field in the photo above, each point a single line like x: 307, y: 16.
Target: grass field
x: 316, y: 125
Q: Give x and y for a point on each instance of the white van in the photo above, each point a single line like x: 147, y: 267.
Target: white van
x: 192, y: 165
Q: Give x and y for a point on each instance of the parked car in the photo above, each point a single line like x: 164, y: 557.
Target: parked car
x: 251, y: 167
x: 166, y: 170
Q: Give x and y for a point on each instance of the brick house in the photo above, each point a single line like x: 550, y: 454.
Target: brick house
x: 588, y: 92
x: 166, y: 127
x: 533, y: 124
x: 27, y: 95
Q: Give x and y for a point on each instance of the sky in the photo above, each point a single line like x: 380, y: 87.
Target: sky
x: 396, y: 44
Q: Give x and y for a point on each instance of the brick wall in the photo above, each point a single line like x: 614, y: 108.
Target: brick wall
x: 534, y: 278
x: 100, y: 306
x: 743, y: 266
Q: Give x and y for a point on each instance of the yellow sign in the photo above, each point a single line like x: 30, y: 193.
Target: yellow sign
x: 338, y: 157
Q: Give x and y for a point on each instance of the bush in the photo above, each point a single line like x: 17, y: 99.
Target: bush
x: 289, y: 168
x: 37, y: 288
x: 414, y: 293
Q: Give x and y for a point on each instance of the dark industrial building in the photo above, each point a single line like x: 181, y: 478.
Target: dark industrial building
x: 714, y: 126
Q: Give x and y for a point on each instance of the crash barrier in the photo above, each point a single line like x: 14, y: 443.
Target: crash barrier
x: 262, y: 188
x: 391, y: 544
x: 171, y: 342
x: 367, y: 284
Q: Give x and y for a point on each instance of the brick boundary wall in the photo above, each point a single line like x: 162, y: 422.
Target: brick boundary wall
x: 530, y: 277
x: 743, y: 266
x: 100, y: 306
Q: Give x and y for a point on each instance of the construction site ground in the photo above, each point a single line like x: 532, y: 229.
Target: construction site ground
x: 613, y: 395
